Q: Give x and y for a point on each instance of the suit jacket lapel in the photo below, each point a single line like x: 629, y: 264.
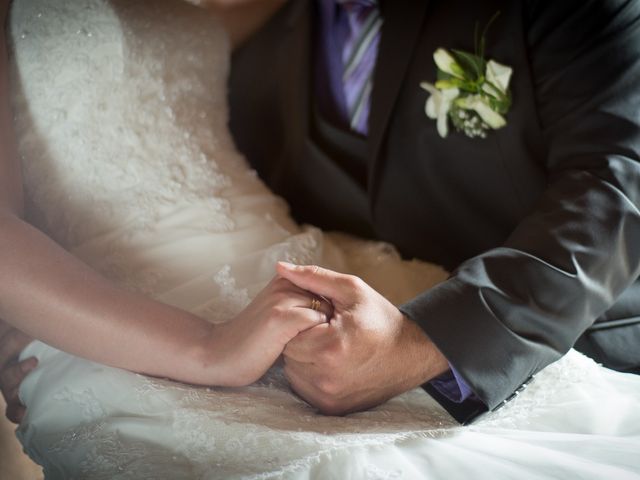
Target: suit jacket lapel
x: 403, y: 20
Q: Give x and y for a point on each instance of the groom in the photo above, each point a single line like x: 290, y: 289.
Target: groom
x: 539, y: 221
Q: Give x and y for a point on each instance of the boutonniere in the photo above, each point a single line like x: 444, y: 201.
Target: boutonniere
x: 470, y: 91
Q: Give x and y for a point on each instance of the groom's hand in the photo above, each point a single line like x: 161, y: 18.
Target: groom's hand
x: 367, y: 353
x: 12, y: 372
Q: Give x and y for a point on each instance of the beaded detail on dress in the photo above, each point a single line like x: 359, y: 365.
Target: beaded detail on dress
x: 89, y: 166
x: 93, y: 78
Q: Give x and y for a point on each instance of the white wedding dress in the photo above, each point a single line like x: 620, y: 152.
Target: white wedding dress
x: 121, y: 117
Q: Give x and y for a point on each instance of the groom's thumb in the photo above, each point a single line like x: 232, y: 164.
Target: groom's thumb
x: 335, y: 286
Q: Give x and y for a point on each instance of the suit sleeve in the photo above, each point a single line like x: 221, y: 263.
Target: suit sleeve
x: 507, y: 313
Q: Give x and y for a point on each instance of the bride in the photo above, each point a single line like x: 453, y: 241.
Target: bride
x: 153, y: 251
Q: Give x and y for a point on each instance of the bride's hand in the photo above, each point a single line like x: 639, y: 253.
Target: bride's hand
x: 12, y: 371
x: 250, y: 343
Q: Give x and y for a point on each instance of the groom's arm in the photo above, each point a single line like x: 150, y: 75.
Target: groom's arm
x: 506, y: 314
x: 519, y: 307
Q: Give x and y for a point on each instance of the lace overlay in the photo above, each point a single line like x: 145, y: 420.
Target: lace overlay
x: 121, y: 120
x: 118, y: 71
x: 110, y: 176
x: 169, y: 430
x: 261, y: 431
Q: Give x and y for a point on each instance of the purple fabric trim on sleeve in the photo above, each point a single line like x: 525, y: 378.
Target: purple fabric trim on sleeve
x: 451, y: 385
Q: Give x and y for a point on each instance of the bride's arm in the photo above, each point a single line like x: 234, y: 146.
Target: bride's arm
x: 49, y: 294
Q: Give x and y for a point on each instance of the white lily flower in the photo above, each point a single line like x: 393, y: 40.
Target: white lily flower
x: 438, y: 105
x: 445, y: 62
x: 479, y: 104
x: 499, y: 75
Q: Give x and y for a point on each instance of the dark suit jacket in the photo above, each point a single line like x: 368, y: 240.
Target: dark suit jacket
x: 539, y: 222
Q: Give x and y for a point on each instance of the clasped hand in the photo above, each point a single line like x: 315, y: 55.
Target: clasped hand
x: 235, y: 353
x: 367, y: 353
x: 349, y: 351
x: 352, y: 351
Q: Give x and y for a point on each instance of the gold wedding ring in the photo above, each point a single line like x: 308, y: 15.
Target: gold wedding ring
x: 315, y: 304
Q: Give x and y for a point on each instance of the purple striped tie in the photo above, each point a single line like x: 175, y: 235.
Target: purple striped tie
x: 359, y: 58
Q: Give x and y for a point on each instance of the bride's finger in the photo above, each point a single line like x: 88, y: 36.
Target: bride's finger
x: 15, y: 413
x: 336, y: 286
x: 302, y: 319
x: 297, y: 298
x: 15, y: 410
x: 304, y: 347
x: 11, y: 344
x: 12, y: 397
x: 282, y: 285
x: 303, y: 300
x: 319, y: 304
x: 12, y: 375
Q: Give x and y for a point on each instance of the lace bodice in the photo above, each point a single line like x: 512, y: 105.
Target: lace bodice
x: 121, y: 117
x: 89, y: 165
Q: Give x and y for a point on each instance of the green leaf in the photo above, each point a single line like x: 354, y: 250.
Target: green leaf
x: 458, y: 70
x: 441, y: 75
x: 473, y: 65
x: 502, y: 105
x: 483, y: 38
x: 449, y: 83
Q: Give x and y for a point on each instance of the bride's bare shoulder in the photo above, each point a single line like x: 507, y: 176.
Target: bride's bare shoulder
x: 242, y: 18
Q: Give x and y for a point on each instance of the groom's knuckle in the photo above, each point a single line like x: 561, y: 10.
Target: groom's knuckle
x: 328, y: 387
x: 326, y: 357
x: 353, y: 282
x: 341, y: 346
x: 334, y: 353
